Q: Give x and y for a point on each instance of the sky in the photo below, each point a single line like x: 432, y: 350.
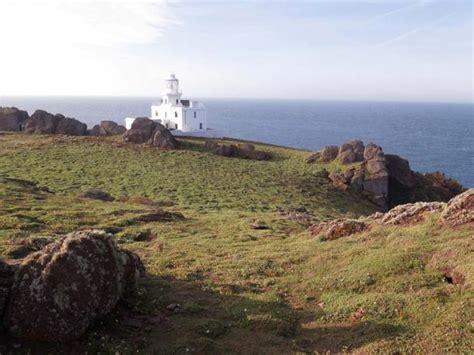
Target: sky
x: 324, y: 50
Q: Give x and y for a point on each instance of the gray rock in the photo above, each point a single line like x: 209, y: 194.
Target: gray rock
x: 42, y: 122
x: 71, y: 127
x: 329, y: 153
x: 60, y: 291
x: 351, y: 152
x: 12, y: 119
x: 136, y: 136
x: 162, y: 138
x: 111, y: 128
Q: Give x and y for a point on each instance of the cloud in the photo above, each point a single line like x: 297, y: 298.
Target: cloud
x: 402, y: 9
x: 100, y: 22
x: 415, y: 31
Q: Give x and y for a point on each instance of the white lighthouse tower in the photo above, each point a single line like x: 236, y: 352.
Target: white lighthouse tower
x: 180, y: 116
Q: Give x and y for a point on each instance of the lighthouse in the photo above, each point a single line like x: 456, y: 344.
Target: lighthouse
x: 180, y: 116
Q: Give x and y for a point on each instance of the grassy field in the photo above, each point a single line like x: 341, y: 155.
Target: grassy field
x: 241, y: 290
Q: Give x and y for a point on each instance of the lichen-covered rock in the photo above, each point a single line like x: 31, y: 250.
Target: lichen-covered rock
x: 351, y: 152
x: 460, y: 209
x: 408, y: 213
x: 337, y: 228
x: 60, y: 291
x: 12, y: 119
x: 329, y: 153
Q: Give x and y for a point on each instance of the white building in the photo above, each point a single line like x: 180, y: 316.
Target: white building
x: 180, y: 116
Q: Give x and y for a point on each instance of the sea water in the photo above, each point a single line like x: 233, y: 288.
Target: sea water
x: 432, y: 136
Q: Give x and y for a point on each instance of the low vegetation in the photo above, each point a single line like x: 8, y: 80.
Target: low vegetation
x: 215, y: 284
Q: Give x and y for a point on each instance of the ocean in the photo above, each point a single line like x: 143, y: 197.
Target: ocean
x: 432, y: 136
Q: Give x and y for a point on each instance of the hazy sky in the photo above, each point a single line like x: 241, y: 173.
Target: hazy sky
x: 381, y: 50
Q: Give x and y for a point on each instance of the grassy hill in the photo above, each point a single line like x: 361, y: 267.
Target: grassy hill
x: 217, y: 285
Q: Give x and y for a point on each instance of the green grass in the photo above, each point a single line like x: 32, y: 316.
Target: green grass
x: 241, y: 290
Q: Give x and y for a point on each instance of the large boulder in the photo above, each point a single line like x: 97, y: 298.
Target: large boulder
x: 460, y: 209
x: 163, y: 138
x: 112, y: 128
x: 71, y: 127
x: 329, y: 153
x: 12, y: 119
x: 136, y: 136
x: 351, y: 152
x: 107, y: 128
x: 146, y: 125
x: 144, y: 130
x: 42, y: 122
x: 61, y: 290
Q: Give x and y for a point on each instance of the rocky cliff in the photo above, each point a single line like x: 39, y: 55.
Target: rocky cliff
x: 385, y: 179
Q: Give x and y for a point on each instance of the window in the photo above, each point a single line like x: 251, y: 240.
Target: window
x: 175, y: 114
x: 166, y: 114
x: 195, y: 114
x: 176, y: 101
x: 156, y: 113
x: 176, y: 126
x: 200, y: 126
x: 161, y: 101
x: 166, y: 101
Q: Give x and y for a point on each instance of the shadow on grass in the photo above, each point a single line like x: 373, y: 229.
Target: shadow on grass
x: 172, y: 316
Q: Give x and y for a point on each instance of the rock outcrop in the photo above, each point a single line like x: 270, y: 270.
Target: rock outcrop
x: 387, y: 180
x: 42, y: 122
x: 351, y: 152
x: 337, y: 228
x: 59, y: 291
x: 107, y: 128
x: 146, y: 131
x: 12, y: 119
x: 460, y: 209
x: 242, y: 150
x: 408, y: 213
x: 457, y: 212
